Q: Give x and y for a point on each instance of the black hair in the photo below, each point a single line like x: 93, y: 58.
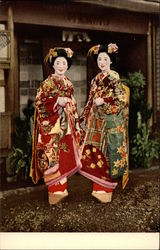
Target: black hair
x: 60, y: 53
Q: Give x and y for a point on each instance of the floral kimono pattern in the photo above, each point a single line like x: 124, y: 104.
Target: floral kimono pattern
x: 56, y: 139
x: 104, y: 146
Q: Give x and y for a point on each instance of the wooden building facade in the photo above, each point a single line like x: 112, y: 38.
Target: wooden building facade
x: 29, y: 28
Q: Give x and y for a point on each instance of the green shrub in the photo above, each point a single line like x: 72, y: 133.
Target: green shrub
x: 20, y: 157
x: 136, y: 82
x: 143, y: 148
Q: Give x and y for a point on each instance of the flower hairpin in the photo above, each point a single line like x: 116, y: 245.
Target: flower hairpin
x: 69, y: 52
x: 54, y: 53
x: 112, y: 48
x: 93, y: 50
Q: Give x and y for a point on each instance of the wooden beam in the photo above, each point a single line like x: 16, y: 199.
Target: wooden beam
x: 79, y: 16
x: 140, y: 6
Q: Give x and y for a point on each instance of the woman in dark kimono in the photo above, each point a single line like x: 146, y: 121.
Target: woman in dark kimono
x: 56, y: 128
x: 105, y: 121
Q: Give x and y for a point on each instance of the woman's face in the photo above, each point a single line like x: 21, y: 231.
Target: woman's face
x: 103, y: 62
x: 60, y: 66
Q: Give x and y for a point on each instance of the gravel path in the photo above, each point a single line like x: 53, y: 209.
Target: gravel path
x: 135, y: 209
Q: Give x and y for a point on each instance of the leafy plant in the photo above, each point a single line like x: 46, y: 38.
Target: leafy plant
x: 136, y: 82
x: 19, y: 161
x: 20, y: 158
x: 143, y: 147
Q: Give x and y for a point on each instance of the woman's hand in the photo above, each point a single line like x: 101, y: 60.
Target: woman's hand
x: 61, y: 101
x: 99, y: 101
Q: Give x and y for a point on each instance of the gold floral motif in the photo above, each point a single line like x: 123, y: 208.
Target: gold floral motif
x: 117, y: 163
x: 122, y: 163
x: 88, y: 151
x: 83, y: 157
x: 99, y: 156
x: 92, y: 165
x: 107, y: 171
x: 94, y: 149
x: 120, y: 150
x: 114, y: 171
x: 100, y: 163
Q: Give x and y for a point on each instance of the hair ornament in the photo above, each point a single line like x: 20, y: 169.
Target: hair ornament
x: 112, y: 48
x: 69, y: 52
x: 93, y: 50
x: 54, y: 53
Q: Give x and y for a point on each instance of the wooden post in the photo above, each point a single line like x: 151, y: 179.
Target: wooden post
x: 12, y: 99
x: 9, y: 83
x: 154, y: 75
x: 149, y: 68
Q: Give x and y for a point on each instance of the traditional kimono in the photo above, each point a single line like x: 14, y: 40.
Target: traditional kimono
x: 105, y: 144
x: 55, y: 140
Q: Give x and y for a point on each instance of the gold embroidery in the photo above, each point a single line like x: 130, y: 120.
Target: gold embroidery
x: 92, y: 165
x: 114, y: 171
x: 117, y: 163
x: 88, y: 151
x: 120, y: 150
x: 107, y: 171
x: 122, y: 163
x: 83, y: 157
x: 94, y: 149
x: 100, y: 163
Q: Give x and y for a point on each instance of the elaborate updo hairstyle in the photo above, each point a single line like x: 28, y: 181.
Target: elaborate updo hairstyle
x: 67, y: 53
x: 110, y: 50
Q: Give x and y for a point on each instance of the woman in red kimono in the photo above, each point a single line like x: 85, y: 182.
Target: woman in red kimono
x: 56, y: 128
x: 105, y: 144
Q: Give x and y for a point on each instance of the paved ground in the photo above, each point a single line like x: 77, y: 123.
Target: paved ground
x: 135, y: 209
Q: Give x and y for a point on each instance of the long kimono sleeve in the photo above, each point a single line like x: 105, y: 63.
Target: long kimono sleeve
x: 44, y: 103
x: 115, y: 98
x: 45, y: 100
x: 88, y: 106
x: 35, y: 173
